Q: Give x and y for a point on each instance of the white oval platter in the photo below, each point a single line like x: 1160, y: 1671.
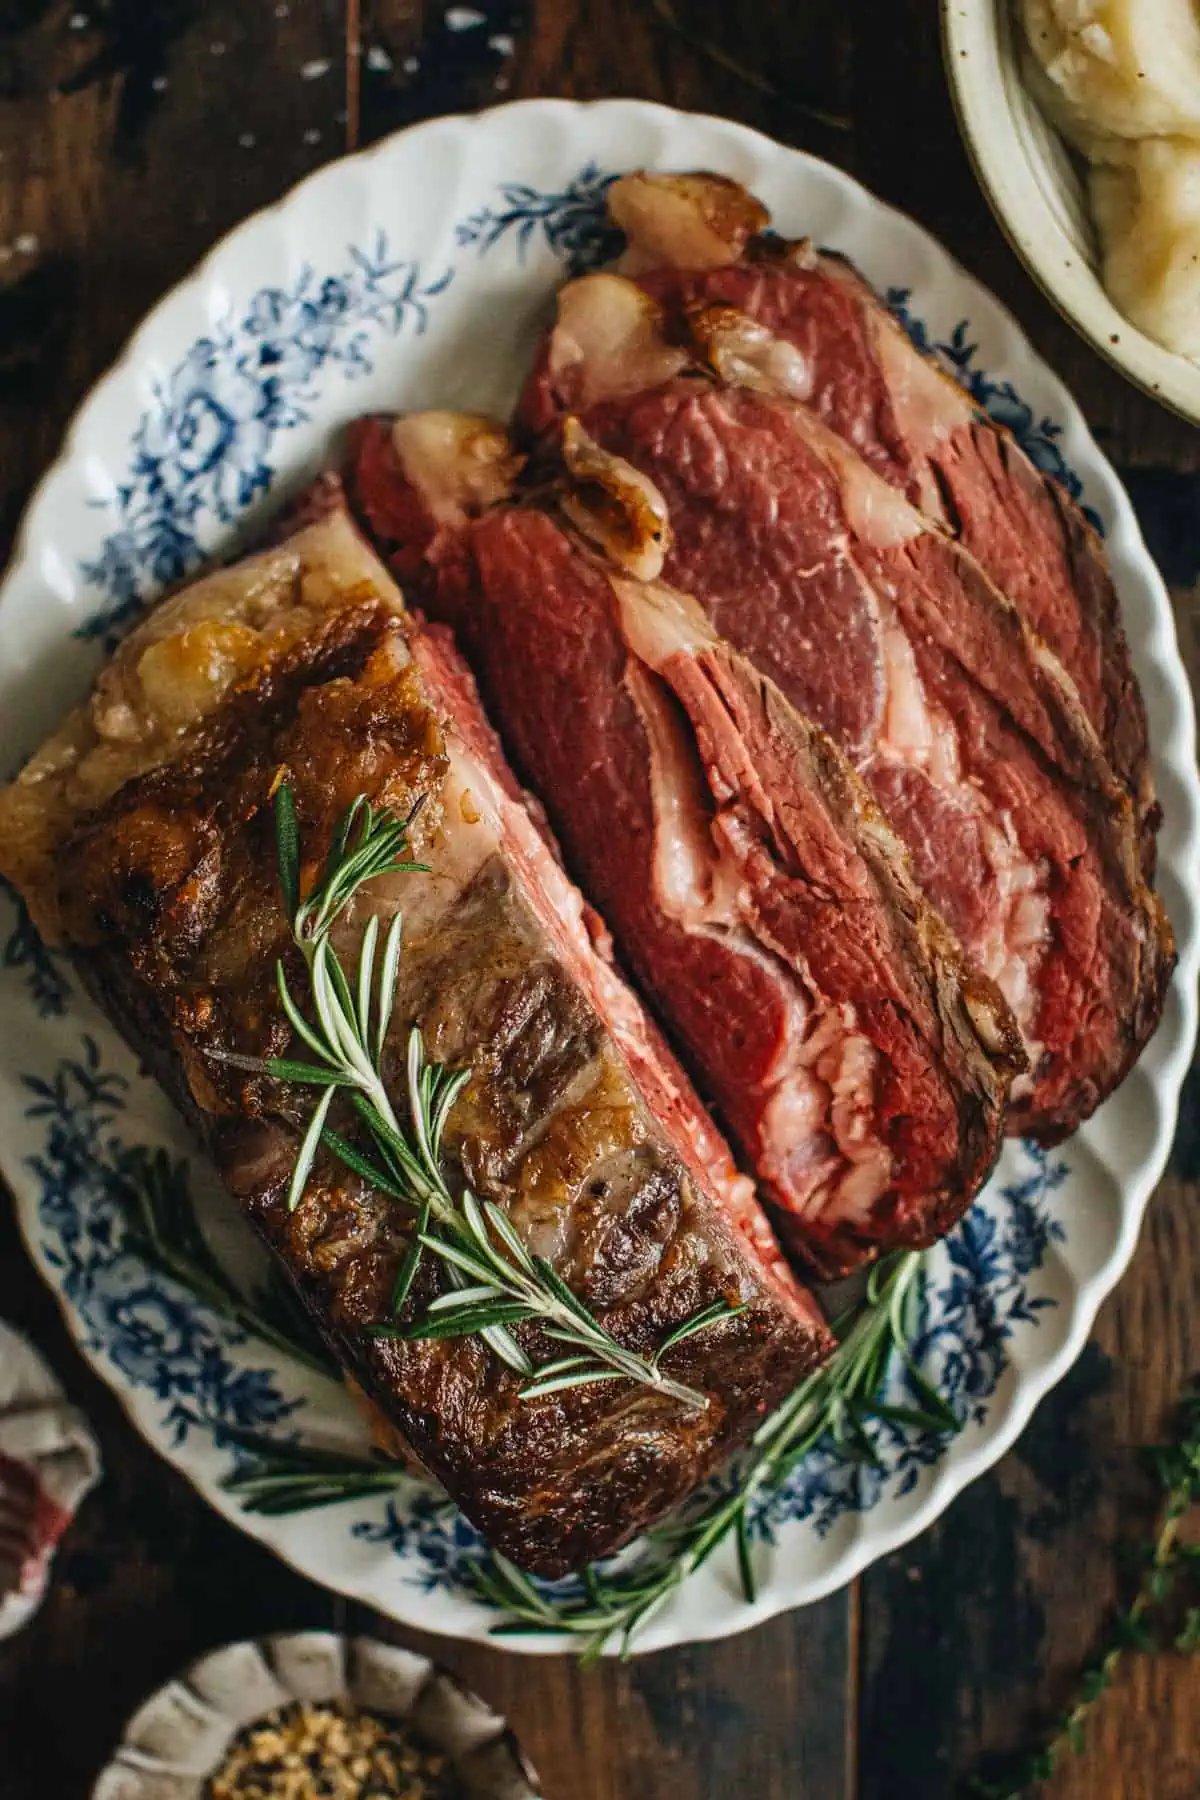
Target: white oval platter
x: 414, y: 275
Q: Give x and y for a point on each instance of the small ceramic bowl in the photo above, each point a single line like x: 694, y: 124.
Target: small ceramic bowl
x: 179, y: 1737
x: 1035, y: 190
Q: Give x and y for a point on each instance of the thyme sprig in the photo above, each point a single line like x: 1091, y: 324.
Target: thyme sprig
x: 156, y: 1197
x: 836, y: 1401
x: 495, y: 1282
x: 1177, y: 1466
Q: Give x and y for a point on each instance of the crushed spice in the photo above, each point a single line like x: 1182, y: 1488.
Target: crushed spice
x: 331, y: 1752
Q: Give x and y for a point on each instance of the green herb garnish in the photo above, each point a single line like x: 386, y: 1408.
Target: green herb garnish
x: 156, y: 1197
x: 494, y: 1281
x: 288, y: 1478
x: 835, y: 1401
x: 280, y: 1477
x: 1177, y: 1467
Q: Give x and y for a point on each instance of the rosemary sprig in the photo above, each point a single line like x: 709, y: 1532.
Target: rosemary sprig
x: 494, y: 1281
x: 1177, y: 1466
x: 287, y: 1478
x: 835, y: 1401
x: 155, y: 1194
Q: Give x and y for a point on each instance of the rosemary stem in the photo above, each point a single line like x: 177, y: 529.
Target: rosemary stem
x: 1143, y: 1602
x: 252, y: 1322
x: 493, y: 1280
x: 620, y: 1604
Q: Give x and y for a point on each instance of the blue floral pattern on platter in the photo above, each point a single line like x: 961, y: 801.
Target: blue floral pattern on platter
x: 153, y: 1331
x: 45, y: 982
x: 204, y: 450
x: 572, y: 222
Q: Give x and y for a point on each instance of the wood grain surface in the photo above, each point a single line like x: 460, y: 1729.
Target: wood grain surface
x: 132, y: 134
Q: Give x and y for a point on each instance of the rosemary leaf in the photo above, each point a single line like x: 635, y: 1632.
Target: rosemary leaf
x: 287, y: 1478
x: 295, y: 1017
x: 276, y: 1455
x: 304, y: 1074
x: 588, y: 1376
x: 505, y: 1346
x: 563, y: 1366
x: 466, y: 1321
x: 932, y: 1422
x: 366, y: 973
x: 745, y: 1560
x: 306, y: 1496
x: 502, y: 1227
x: 465, y: 1296
x: 393, y: 1144
x: 411, y: 1262
x: 451, y: 1085
x: 475, y: 1224
x: 362, y: 1165
x: 527, y: 1628
x: 551, y: 1279
x: 387, y: 982
x: 452, y: 1252
x: 932, y: 1405
x: 308, y: 1149
x: 711, y: 1315
x: 287, y: 848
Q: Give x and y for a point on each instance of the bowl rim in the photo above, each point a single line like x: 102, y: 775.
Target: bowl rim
x: 181, y: 1732
x: 998, y: 157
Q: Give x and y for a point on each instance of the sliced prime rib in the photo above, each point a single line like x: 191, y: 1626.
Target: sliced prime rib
x: 760, y: 897
x: 141, y: 838
x: 698, y: 241
x: 889, y: 633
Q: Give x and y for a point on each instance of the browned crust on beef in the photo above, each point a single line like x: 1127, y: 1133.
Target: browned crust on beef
x: 167, y: 896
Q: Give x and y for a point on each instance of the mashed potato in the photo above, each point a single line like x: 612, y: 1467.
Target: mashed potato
x: 1121, y: 79
x: 1148, y: 210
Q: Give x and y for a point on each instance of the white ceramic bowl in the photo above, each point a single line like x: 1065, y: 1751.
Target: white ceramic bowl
x: 1035, y: 190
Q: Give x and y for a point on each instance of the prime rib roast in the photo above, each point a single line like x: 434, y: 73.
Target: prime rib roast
x: 821, y: 686
x: 699, y: 241
x: 757, y: 891
x: 141, y: 838
x: 988, y: 749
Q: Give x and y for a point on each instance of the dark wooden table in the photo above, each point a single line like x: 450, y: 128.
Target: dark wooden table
x: 132, y: 134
